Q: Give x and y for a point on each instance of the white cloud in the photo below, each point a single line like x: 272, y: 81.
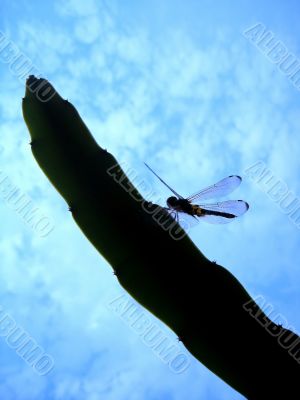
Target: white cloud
x: 87, y: 30
x: 76, y: 7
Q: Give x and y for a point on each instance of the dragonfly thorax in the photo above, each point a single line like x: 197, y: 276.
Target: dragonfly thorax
x: 180, y: 205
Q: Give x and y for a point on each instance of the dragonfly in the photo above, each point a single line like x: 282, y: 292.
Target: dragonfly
x: 217, y: 213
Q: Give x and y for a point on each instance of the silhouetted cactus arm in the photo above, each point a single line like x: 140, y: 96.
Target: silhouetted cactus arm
x: 199, y: 300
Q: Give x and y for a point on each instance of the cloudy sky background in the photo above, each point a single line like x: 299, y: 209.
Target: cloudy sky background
x: 176, y: 85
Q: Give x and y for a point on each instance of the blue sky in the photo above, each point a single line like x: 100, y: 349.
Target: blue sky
x: 179, y: 86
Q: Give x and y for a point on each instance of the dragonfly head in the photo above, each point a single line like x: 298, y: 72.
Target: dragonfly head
x: 172, y: 201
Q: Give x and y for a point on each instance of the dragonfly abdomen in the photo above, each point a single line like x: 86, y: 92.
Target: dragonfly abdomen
x: 197, y: 210
x: 200, y: 212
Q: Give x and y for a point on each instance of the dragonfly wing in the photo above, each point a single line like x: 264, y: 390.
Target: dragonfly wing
x: 215, y: 219
x: 169, y: 187
x: 234, y: 207
x: 185, y: 220
x: 224, y: 212
x: 221, y: 188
